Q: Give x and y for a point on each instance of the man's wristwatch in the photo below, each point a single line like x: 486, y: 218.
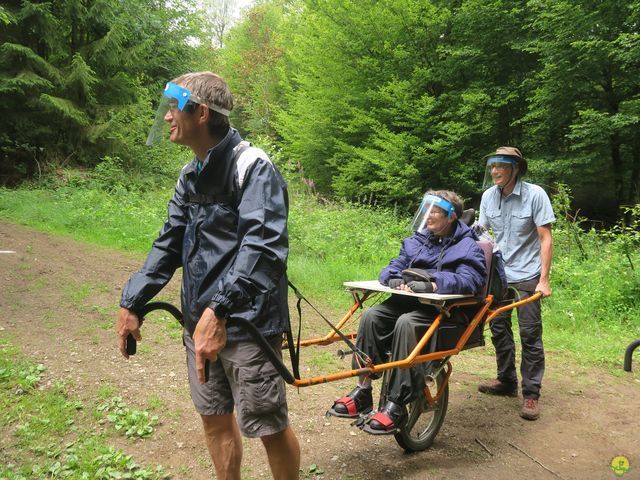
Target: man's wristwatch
x: 220, y: 310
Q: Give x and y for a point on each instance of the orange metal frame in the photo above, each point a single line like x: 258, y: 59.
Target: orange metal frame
x: 485, y: 314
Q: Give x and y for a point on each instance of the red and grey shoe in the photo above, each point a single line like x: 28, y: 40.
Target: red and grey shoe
x: 352, y: 405
x: 387, y: 421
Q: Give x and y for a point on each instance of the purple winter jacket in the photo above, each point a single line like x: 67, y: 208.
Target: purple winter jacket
x: 456, y: 263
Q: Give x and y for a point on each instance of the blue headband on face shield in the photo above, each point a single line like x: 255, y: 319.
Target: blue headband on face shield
x: 500, y: 159
x: 182, y: 96
x: 441, y: 203
x: 178, y: 93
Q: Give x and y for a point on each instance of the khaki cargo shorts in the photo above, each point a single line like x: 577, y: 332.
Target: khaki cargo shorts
x: 245, y: 378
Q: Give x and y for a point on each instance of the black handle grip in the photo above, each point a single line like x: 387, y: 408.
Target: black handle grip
x: 244, y: 324
x: 131, y: 344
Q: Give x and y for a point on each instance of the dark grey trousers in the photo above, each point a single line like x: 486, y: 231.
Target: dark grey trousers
x: 396, y: 325
x: 530, y: 324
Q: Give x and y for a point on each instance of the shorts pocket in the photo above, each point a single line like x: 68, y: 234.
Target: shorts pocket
x: 260, y: 393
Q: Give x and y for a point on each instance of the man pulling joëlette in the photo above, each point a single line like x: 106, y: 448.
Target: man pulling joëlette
x: 227, y: 229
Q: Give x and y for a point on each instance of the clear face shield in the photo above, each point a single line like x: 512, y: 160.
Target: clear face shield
x: 432, y: 211
x: 501, y: 170
x: 175, y: 98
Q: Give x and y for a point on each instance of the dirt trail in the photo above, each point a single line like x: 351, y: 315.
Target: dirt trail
x: 58, y: 301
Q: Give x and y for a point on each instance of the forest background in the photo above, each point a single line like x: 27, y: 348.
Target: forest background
x: 374, y: 99
x: 364, y: 105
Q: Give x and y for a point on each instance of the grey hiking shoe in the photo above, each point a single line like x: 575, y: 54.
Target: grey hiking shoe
x: 496, y: 387
x: 530, y: 409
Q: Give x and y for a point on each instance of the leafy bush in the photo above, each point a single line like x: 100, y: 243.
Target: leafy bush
x: 595, y: 302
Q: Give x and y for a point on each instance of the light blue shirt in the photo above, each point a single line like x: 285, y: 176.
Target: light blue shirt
x: 514, y: 221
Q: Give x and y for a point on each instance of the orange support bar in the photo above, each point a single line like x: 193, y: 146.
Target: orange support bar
x: 414, y: 357
x: 511, y: 306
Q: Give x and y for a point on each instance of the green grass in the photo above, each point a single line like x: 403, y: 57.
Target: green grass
x: 168, y: 324
x: 77, y: 292
x: 47, y: 434
x: 105, y: 391
x: 155, y: 402
x: 592, y: 314
x: 595, y: 305
x: 124, y: 220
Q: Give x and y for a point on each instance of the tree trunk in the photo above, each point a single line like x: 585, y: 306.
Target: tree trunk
x: 634, y: 180
x: 618, y: 172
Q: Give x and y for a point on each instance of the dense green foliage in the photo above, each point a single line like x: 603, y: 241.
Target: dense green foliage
x: 377, y: 100
x: 384, y: 99
x: 79, y: 78
x: 596, y: 301
x: 250, y: 62
x: 593, y: 311
x: 584, y: 97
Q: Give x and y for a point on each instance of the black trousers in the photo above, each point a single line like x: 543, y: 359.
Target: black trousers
x: 397, y: 325
x: 530, y: 324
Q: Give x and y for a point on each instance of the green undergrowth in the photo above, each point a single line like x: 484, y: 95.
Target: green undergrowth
x: 592, y: 315
x: 46, y: 433
x: 123, y: 219
x: 594, y: 311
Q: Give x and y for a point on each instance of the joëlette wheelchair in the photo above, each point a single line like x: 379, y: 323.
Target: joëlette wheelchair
x: 439, y: 343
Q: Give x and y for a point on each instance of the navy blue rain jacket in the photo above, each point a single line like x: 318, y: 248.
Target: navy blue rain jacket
x: 456, y: 263
x: 230, y: 238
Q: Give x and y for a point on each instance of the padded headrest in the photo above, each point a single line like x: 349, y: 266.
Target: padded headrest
x: 468, y: 216
x: 487, y: 249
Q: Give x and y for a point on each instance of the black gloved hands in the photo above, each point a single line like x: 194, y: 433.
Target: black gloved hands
x: 420, y: 287
x: 416, y: 274
x: 395, y: 282
x: 418, y: 280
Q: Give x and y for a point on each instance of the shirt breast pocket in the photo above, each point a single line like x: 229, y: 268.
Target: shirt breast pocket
x: 494, y: 218
x: 522, y: 220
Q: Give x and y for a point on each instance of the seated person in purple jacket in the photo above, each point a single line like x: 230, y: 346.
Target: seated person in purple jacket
x: 445, y: 253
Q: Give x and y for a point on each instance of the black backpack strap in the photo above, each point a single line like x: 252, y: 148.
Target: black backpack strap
x: 227, y: 198
x: 294, y: 352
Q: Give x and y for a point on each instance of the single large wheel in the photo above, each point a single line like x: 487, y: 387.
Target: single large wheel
x: 424, y: 421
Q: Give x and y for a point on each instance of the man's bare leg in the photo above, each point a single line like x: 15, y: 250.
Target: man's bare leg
x: 283, y: 451
x: 224, y: 444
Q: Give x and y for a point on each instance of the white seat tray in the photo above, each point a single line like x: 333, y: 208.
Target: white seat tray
x: 374, y: 285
